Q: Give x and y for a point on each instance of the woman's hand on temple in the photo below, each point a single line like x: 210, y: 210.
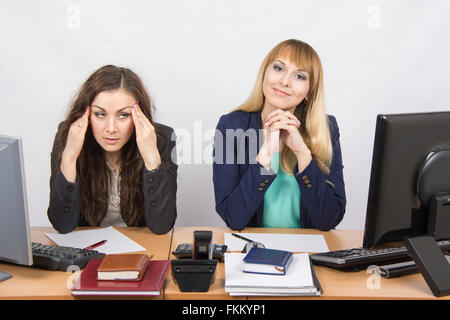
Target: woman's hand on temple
x: 146, y: 138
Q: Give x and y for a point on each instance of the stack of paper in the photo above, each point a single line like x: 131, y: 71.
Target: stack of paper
x: 298, y: 281
x: 116, y: 242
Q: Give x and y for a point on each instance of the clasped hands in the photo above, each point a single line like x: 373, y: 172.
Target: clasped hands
x: 283, y: 127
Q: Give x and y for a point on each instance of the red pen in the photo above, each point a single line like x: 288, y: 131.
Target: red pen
x: 95, y: 245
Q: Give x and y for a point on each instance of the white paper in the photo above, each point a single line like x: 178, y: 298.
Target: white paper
x: 278, y: 241
x: 116, y: 242
x: 298, y: 275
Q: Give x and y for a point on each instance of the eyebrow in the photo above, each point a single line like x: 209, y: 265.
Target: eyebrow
x: 116, y: 111
x: 284, y: 64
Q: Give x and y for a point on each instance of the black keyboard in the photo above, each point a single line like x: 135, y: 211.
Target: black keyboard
x: 184, y: 251
x: 61, y: 258
x: 358, y: 258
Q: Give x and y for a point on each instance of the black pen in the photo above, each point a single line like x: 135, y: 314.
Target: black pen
x: 241, y: 237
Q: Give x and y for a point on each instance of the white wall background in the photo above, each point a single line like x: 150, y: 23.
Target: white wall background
x: 199, y: 60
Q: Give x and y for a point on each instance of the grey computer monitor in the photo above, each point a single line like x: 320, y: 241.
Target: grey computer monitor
x: 15, y: 241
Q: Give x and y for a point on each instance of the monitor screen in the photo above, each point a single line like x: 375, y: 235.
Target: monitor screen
x: 403, y: 142
x: 15, y: 243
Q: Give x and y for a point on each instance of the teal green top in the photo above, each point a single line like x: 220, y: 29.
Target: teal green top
x: 282, y: 199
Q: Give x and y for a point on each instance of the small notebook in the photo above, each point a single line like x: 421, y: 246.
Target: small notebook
x: 123, y: 267
x: 150, y: 285
x: 267, y: 261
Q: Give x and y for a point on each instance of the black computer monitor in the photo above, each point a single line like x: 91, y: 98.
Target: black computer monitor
x: 410, y: 170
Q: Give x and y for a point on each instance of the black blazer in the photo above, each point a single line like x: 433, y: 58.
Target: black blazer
x: 159, y: 188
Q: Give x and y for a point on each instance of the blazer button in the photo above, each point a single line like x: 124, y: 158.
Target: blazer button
x: 69, y: 188
x: 262, y: 184
x: 153, y: 203
x: 151, y: 190
x: 67, y: 199
x: 260, y: 189
x: 66, y: 209
x: 309, y: 186
x: 266, y: 181
x: 305, y: 177
x: 150, y: 179
x: 307, y: 181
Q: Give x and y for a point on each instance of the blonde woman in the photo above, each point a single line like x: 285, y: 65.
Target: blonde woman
x: 277, y: 157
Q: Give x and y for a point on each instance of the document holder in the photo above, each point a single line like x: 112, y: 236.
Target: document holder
x: 193, y: 275
x: 431, y: 262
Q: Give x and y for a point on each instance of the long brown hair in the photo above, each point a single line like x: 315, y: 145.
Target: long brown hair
x: 311, y: 113
x: 93, y: 174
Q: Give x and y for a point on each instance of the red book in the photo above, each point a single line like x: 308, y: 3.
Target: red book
x: 150, y: 285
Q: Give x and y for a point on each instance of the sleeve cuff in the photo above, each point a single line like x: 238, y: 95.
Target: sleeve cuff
x: 309, y: 175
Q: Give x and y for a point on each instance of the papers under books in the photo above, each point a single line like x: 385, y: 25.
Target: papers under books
x: 150, y: 285
x: 116, y: 242
x: 122, y: 267
x: 267, y: 261
x: 278, y: 241
x: 299, y: 280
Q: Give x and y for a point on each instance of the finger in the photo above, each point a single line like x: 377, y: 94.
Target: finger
x: 282, y: 126
x: 293, y: 117
x: 134, y: 115
x: 79, y: 123
x: 272, y: 120
x: 136, y: 121
x: 147, y: 126
x: 273, y: 114
x: 292, y: 122
x: 85, y: 118
x: 281, y: 118
x: 279, y: 114
x: 144, y: 118
x: 141, y: 125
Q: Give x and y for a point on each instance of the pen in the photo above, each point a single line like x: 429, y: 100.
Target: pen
x: 95, y: 245
x: 241, y: 237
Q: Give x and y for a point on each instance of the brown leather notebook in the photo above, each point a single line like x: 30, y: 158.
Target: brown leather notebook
x: 123, y: 267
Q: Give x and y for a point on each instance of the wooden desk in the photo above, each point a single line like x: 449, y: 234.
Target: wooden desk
x: 217, y: 289
x: 33, y: 283
x: 356, y: 285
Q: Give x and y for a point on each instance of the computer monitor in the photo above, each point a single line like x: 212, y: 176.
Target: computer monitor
x: 15, y: 241
x: 410, y: 169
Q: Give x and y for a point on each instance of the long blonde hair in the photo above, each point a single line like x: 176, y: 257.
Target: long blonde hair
x: 314, y: 121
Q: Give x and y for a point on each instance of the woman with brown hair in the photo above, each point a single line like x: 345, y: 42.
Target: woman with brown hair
x: 111, y: 163
x: 277, y: 157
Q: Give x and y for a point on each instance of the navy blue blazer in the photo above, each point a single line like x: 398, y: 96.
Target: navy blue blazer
x: 240, y: 181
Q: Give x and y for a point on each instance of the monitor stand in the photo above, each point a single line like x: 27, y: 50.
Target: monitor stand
x: 429, y: 258
x: 4, y: 276
x: 431, y: 263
